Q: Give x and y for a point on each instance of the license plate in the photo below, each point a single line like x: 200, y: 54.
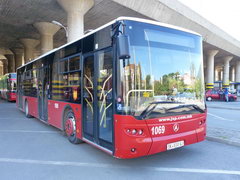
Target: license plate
x: 175, y: 145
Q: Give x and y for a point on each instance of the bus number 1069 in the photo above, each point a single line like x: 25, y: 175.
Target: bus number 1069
x: 158, y: 130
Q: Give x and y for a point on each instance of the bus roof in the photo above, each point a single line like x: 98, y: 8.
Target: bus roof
x: 108, y: 24
x: 8, y: 74
x: 11, y: 73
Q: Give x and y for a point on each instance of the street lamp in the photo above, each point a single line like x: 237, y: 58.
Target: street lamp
x: 62, y: 26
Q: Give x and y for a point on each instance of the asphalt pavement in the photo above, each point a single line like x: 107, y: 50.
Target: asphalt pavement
x: 226, y: 116
x: 233, y: 105
x: 32, y: 150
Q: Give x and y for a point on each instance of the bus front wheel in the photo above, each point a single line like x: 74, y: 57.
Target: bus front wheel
x: 70, y: 127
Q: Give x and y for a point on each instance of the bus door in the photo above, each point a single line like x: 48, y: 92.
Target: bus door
x: 20, y: 90
x: 43, y: 87
x: 97, y: 98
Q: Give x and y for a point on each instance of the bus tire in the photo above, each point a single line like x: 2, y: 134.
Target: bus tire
x: 26, y: 110
x: 70, y: 127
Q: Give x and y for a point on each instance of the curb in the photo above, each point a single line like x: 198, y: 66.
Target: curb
x: 219, y: 140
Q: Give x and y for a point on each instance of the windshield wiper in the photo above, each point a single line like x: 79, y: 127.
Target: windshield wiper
x: 148, y: 110
x: 196, y: 107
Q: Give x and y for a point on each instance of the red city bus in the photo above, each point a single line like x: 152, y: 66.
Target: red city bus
x: 131, y: 88
x: 8, y: 87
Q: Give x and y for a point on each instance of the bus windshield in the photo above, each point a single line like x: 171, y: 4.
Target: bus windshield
x: 13, y: 76
x: 164, y: 75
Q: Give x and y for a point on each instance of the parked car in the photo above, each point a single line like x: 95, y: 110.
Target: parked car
x: 219, y: 95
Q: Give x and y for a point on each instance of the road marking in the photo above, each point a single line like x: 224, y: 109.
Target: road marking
x: 22, y: 118
x: 221, y: 118
x: 205, y: 171
x: 97, y: 165
x: 27, y: 131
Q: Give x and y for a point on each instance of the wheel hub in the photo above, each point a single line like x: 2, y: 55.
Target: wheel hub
x: 69, y: 127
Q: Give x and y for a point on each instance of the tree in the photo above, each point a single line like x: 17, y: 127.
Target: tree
x: 166, y: 84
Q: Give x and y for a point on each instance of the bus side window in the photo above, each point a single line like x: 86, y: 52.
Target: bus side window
x: 74, y: 83
x: 71, y: 87
x: 66, y: 79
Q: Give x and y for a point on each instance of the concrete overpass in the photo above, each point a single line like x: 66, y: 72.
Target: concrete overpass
x: 26, y: 30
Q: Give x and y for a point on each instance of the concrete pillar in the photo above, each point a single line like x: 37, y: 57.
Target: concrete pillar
x: 220, y: 74
x: 226, y: 60
x: 232, y: 74
x: 205, y: 67
x: 75, y: 16
x: 47, y: 31
x: 1, y: 68
x: 11, y: 63
x: 3, y: 61
x: 37, y: 53
x: 29, y: 48
x: 5, y: 66
x: 237, y: 77
x: 217, y: 77
x: 18, y: 53
x: 210, y: 68
x: 237, y: 73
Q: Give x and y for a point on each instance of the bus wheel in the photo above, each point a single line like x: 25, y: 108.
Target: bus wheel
x: 70, y: 127
x: 27, y: 110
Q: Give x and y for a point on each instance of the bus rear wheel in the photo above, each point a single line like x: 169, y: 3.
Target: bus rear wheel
x: 70, y: 127
x: 27, y: 110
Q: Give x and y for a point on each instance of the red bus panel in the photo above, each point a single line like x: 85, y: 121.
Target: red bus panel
x: 55, y: 114
x: 12, y: 96
x: 32, y: 105
x: 127, y: 143
x: 135, y: 138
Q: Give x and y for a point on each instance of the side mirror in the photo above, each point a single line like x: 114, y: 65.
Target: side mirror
x: 123, y: 46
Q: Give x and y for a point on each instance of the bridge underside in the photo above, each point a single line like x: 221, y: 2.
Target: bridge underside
x: 17, y: 19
